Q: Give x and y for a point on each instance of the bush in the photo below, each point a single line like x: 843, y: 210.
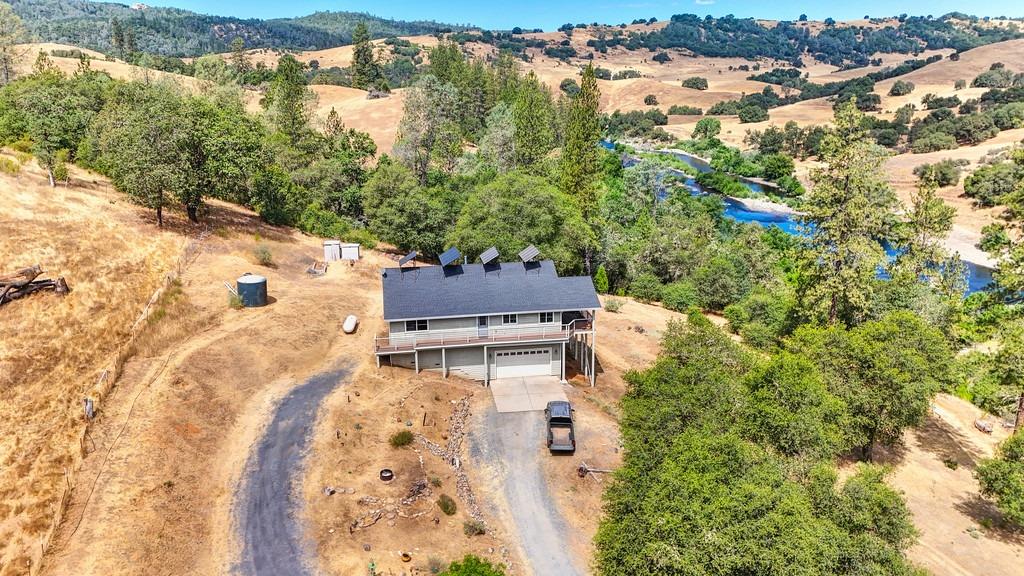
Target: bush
x: 650, y: 100
x: 263, y: 255
x: 696, y: 82
x: 750, y: 114
x: 988, y: 185
x: 234, y: 301
x: 678, y: 110
x: 570, y: 87
x: 679, y: 296
x: 625, y: 74
x: 473, y: 566
x: 473, y: 528
x: 996, y: 78
x: 399, y: 439
x: 646, y: 288
x: 960, y: 84
x: 601, y: 280
x: 933, y: 142
x: 613, y: 305
x: 901, y: 88
x: 8, y: 166
x: 446, y: 504
x: 933, y: 102
x: 945, y: 172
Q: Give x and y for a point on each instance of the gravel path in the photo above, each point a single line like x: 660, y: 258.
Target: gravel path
x: 513, y: 444
x: 272, y: 540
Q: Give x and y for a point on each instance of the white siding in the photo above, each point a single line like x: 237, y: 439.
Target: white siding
x: 452, y: 323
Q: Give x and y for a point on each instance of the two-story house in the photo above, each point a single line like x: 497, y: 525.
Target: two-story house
x: 488, y: 320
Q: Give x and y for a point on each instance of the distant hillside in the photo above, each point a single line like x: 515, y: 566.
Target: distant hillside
x: 175, y: 32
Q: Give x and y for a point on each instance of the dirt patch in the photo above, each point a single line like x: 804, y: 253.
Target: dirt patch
x: 935, y: 472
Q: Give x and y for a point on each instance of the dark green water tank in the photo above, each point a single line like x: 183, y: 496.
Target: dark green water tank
x: 252, y: 290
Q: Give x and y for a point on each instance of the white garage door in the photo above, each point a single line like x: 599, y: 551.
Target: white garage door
x: 529, y: 362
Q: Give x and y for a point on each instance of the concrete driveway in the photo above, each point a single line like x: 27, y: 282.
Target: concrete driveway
x: 525, y: 393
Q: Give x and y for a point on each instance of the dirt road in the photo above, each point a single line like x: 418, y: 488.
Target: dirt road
x: 267, y: 509
x: 511, y: 445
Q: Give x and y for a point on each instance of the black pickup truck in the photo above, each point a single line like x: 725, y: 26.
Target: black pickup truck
x: 561, y: 434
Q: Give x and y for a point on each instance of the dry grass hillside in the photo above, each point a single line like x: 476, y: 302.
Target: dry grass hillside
x: 54, y: 348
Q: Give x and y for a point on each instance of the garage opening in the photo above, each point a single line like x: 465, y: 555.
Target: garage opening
x: 527, y: 362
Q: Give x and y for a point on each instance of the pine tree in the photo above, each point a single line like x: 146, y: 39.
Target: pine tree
x: 848, y: 214
x: 534, y: 118
x: 239, y: 59
x: 579, y: 153
x: 366, y: 71
x: 117, y: 36
x: 288, y: 100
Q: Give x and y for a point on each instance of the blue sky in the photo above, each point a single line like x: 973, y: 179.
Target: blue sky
x: 549, y: 14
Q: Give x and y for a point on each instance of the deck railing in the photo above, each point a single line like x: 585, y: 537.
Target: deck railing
x: 388, y: 344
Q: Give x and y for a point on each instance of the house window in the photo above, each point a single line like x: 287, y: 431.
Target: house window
x: 510, y: 319
x: 547, y: 317
x: 415, y: 325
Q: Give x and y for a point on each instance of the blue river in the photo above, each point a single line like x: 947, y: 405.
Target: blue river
x: 978, y: 277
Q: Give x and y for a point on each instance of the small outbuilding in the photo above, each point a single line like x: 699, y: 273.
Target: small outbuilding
x: 349, y: 251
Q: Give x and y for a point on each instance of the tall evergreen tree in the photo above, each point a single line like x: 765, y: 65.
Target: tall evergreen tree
x: 366, y: 71
x: 579, y: 164
x: 533, y: 113
x: 848, y: 214
x: 288, y: 102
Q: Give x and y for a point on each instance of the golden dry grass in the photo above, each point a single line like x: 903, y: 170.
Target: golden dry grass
x: 53, y: 348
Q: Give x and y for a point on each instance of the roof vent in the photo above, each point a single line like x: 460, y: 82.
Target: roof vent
x: 489, y: 255
x: 529, y: 254
x: 450, y: 256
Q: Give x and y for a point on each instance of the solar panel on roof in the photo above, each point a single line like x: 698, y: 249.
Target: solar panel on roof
x: 529, y: 253
x: 489, y: 255
x: 450, y: 256
x: 407, y: 258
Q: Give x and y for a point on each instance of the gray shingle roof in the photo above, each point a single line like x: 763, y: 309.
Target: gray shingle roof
x: 481, y: 289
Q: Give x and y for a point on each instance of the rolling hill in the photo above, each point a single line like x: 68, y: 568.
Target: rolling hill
x: 174, y: 32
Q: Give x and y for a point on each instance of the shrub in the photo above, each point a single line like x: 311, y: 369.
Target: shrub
x: 570, y: 87
x: 399, y: 439
x: 678, y: 110
x: 960, y: 84
x: 945, y: 172
x: 472, y: 566
x: 994, y: 237
x: 601, y: 280
x: 9, y: 166
x: 933, y: 102
x: 933, y: 142
x: 996, y: 78
x: 988, y: 185
x: 263, y: 255
x: 650, y: 100
x: 446, y: 504
x: 602, y: 73
x: 613, y: 305
x: 901, y: 88
x: 750, y: 114
x: 646, y: 288
x: 696, y: 82
x: 624, y: 74
x: 234, y: 301
x: 473, y: 528
x: 679, y: 296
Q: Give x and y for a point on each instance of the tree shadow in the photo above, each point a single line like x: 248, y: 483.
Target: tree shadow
x: 984, y: 512
x: 947, y: 443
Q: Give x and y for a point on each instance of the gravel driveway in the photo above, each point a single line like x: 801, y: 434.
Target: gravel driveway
x: 512, y: 444
x: 272, y: 540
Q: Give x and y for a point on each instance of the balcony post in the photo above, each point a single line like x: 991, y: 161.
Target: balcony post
x: 416, y: 360
x: 444, y: 362
x: 593, y: 349
x: 563, y: 363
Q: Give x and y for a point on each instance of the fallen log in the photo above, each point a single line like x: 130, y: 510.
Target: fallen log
x: 18, y: 290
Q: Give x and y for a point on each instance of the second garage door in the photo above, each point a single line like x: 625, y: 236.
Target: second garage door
x: 527, y: 362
